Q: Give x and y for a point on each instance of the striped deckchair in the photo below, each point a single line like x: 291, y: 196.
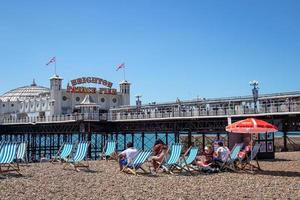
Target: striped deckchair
x: 79, y: 156
x: 109, y: 151
x: 21, y: 153
x: 64, y: 152
x: 173, y: 160
x: 8, y: 153
x: 186, y: 161
x: 247, y: 162
x: 137, y: 162
x: 229, y: 164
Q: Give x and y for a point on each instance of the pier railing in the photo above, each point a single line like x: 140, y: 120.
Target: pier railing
x: 157, y: 112
x: 56, y: 119
x: 200, y: 111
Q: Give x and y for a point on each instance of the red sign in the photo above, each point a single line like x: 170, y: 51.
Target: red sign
x: 95, y: 80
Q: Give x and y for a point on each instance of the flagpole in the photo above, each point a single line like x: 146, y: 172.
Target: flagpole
x: 124, y: 73
x: 55, y: 66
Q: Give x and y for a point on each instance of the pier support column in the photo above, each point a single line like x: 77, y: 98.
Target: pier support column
x: 285, y: 148
x: 189, y: 138
x: 285, y: 132
x: 90, y: 140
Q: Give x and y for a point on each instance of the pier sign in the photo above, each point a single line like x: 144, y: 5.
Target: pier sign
x: 95, y: 80
x: 73, y: 88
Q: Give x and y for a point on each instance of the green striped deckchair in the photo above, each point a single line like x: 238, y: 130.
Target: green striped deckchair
x: 186, y: 161
x: 22, y: 151
x: 109, y: 151
x: 229, y: 164
x: 174, y: 158
x: 80, y: 155
x: 8, y: 153
x: 137, y: 162
x: 64, y: 152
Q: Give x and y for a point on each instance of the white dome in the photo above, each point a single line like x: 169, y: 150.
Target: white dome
x: 25, y: 92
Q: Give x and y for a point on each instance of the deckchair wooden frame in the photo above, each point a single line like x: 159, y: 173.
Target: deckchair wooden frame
x: 15, y: 167
x: 57, y: 156
x: 184, y: 165
x: 247, y: 162
x: 230, y: 162
x: 25, y: 156
x: 113, y: 156
x: 128, y: 169
x: 78, y: 164
x: 169, y: 168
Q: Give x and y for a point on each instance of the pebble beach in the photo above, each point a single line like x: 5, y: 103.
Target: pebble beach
x: 280, y: 179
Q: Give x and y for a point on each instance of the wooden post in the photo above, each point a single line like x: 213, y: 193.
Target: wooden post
x: 143, y: 141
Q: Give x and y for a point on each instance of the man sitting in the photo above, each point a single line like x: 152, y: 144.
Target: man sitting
x: 127, y: 155
x: 221, y: 153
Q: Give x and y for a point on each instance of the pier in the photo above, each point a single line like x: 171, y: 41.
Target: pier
x: 195, y: 121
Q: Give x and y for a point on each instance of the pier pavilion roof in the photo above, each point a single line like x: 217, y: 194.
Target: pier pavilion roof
x: 25, y: 92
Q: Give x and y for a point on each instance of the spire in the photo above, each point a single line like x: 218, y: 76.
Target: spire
x: 33, y: 83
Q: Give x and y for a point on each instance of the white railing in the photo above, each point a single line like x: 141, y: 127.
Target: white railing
x: 58, y: 118
x: 272, y: 108
x: 121, y: 114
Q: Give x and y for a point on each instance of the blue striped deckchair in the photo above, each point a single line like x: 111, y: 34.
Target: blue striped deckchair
x: 79, y: 156
x: 109, y: 151
x: 186, y: 162
x: 229, y: 164
x: 247, y: 162
x: 21, y: 151
x: 8, y: 153
x: 137, y: 162
x: 64, y: 152
x: 173, y: 160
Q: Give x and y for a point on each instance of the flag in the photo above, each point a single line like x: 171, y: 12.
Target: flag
x: 53, y: 60
x: 120, y: 66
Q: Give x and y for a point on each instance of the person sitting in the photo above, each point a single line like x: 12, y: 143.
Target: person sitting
x: 127, y: 155
x: 221, y: 153
x: 159, y: 153
x: 246, y: 149
x: 208, y: 157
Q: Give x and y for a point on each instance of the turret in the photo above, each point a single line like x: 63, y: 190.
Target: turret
x: 125, y: 91
x: 55, y: 94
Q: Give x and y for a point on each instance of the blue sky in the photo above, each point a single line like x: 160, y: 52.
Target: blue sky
x: 171, y: 48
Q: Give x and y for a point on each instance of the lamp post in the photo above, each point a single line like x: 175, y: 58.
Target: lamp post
x: 138, y: 102
x: 255, y: 88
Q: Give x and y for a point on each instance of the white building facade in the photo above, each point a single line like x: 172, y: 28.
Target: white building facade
x: 37, y: 101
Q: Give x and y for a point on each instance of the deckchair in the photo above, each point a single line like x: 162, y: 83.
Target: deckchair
x: 8, y: 153
x: 137, y: 162
x: 22, y: 152
x: 186, y: 162
x: 79, y: 156
x: 247, y: 162
x: 173, y: 160
x: 109, y: 151
x: 64, y: 152
x: 229, y: 163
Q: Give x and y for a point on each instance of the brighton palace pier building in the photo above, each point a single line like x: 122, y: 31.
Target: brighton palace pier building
x: 38, y: 102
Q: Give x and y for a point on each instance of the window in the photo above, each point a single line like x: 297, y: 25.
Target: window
x: 3, y: 105
x: 64, y: 98
x: 12, y: 105
x: 102, y: 100
x: 77, y: 98
x: 114, y: 100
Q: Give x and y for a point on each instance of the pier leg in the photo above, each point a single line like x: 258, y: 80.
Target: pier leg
x: 285, y: 141
x: 189, y: 138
